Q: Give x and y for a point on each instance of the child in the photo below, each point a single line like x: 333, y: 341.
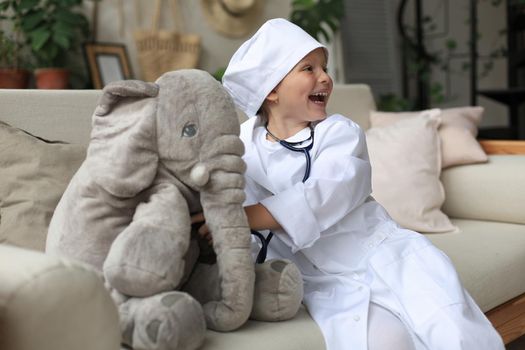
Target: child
x: 368, y: 283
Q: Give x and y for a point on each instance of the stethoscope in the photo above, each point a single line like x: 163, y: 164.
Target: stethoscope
x: 292, y: 146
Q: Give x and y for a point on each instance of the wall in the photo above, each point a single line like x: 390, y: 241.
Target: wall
x: 372, y: 48
x: 115, y: 25
x: 491, y: 20
x: 216, y: 48
x: 369, y: 45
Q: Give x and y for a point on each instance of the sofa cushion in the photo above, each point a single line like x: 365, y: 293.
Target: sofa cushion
x: 458, y: 130
x: 299, y: 333
x: 490, y: 191
x: 406, y: 165
x: 487, y: 256
x: 34, y: 173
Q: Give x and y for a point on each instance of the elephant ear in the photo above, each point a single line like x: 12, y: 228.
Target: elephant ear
x: 122, y: 155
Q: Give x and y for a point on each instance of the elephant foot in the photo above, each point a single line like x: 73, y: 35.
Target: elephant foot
x: 278, y: 291
x: 168, y: 321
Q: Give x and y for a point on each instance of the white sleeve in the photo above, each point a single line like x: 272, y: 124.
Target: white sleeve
x: 249, y: 191
x: 340, y: 181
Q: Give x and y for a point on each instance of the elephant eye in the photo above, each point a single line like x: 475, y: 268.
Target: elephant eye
x: 189, y: 130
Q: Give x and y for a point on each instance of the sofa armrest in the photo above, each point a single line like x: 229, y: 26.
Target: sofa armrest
x: 492, y: 191
x: 51, y: 303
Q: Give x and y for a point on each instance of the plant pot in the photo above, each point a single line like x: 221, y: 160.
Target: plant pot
x: 52, y: 78
x: 13, y: 78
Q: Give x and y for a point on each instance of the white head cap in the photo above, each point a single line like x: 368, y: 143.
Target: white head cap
x: 264, y: 60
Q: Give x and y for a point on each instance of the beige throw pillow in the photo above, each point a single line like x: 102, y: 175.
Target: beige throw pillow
x: 406, y: 165
x: 33, y: 175
x: 458, y: 131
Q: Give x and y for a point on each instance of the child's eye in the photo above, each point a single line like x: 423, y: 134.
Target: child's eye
x: 325, y: 69
x: 308, y: 68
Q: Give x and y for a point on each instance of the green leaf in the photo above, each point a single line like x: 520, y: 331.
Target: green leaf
x: 64, y: 29
x: 219, y: 73
x: 68, y: 3
x: 29, y: 22
x: 305, y: 3
x: 66, y: 16
x: 332, y: 24
x: 451, y: 44
x: 488, y: 65
x: 39, y: 39
x: 436, y: 88
x: 324, y: 33
x: 62, y: 40
x: 27, y: 5
x: 439, y: 98
x: 4, y: 5
x: 393, y: 103
x: 47, y: 55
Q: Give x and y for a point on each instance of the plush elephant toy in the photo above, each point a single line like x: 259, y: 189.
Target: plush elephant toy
x: 160, y: 152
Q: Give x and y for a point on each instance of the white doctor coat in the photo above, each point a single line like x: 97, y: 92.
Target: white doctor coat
x: 349, y: 250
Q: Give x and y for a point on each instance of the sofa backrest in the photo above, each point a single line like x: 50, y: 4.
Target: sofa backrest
x: 354, y: 101
x: 65, y: 115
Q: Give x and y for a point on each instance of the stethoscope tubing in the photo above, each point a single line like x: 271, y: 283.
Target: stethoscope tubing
x: 306, y: 151
x: 261, y: 256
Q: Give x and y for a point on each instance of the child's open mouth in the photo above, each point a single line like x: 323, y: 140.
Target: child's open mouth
x: 319, y: 97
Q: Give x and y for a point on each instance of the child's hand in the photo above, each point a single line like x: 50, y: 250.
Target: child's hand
x: 203, y: 230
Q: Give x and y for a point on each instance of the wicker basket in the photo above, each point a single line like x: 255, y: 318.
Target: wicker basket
x: 160, y: 51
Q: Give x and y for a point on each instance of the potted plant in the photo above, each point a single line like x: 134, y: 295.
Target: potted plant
x: 54, y: 30
x: 12, y: 75
x: 14, y: 64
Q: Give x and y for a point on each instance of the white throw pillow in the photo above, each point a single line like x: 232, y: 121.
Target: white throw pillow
x: 458, y: 131
x: 406, y: 165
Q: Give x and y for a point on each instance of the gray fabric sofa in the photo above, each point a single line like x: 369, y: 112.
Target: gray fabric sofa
x: 42, y: 305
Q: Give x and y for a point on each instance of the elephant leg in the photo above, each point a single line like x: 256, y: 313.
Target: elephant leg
x: 204, y: 284
x: 278, y: 291
x: 167, y: 321
x: 148, y: 256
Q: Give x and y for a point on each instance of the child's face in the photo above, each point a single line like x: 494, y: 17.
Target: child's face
x: 303, y: 94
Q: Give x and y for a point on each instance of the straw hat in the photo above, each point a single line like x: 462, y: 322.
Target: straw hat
x: 233, y: 18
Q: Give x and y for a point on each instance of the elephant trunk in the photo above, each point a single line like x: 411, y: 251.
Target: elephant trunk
x: 227, y: 221
x: 220, y: 181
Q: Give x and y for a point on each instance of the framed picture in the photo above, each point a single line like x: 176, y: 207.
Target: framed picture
x: 107, y: 62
